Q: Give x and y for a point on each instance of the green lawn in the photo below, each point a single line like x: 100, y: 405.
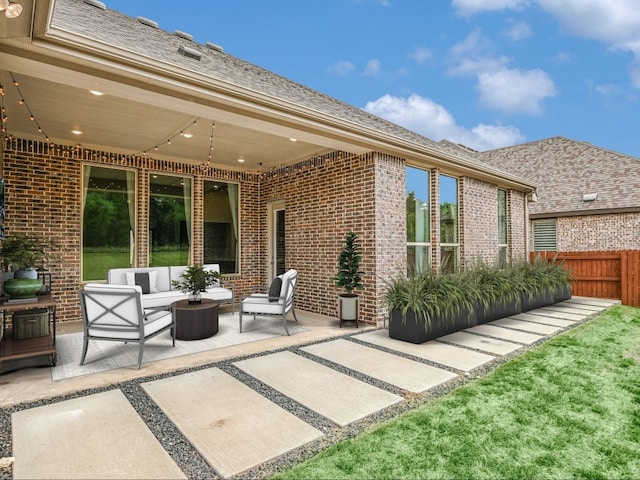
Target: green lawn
x: 567, y: 409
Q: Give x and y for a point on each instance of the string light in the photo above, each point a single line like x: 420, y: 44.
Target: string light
x: 208, y: 162
x: 167, y: 141
x: 24, y: 103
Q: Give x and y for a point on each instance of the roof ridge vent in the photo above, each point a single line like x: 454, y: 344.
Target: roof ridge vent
x: 96, y: 3
x: 190, y: 52
x: 181, y: 34
x: 213, y: 46
x: 147, y: 22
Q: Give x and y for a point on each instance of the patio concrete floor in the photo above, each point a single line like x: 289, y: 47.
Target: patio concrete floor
x: 243, y: 407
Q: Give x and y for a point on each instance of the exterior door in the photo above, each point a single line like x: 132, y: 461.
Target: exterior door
x: 277, y: 244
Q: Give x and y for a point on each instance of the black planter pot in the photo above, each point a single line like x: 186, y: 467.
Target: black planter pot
x: 539, y: 299
x: 497, y: 310
x: 415, y: 329
x: 562, y: 294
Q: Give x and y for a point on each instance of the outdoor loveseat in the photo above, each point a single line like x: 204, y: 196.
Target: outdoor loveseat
x: 157, y: 291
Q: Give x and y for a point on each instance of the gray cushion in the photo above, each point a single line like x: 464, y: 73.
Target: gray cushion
x: 274, y: 289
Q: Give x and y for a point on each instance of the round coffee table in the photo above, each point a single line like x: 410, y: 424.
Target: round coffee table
x: 195, y: 321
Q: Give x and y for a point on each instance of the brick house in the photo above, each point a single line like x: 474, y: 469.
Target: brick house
x: 588, y: 197
x: 130, y: 145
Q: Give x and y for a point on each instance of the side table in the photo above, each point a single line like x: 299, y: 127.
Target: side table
x: 195, y: 321
x: 27, y: 352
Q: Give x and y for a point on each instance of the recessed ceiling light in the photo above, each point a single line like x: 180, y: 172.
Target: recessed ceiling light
x: 187, y: 135
x: 293, y: 139
x: 241, y: 160
x: 97, y: 93
x: 77, y: 132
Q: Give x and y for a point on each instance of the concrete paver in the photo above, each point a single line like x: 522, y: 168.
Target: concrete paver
x: 232, y: 426
x: 442, y: 353
x: 532, y: 317
x: 97, y: 436
x: 334, y: 395
x: 570, y: 309
x: 583, y: 307
x: 543, y: 312
x: 479, y: 342
x: 399, y: 371
x: 525, y: 326
x: 506, y: 334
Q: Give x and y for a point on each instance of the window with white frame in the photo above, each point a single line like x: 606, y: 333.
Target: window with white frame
x: 418, y: 221
x: 545, y: 235
x: 503, y: 225
x: 449, y: 224
x: 169, y: 220
x: 108, y: 220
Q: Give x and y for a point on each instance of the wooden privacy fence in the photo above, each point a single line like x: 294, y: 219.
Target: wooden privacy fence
x: 613, y: 274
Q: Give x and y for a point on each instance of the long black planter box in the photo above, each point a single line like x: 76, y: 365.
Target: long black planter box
x: 496, y: 311
x: 414, y: 329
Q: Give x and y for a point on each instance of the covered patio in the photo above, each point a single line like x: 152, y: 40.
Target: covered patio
x: 97, y: 102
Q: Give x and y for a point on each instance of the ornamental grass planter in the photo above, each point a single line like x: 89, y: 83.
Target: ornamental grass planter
x: 538, y: 299
x: 563, y: 293
x: 415, y: 329
x: 497, y: 310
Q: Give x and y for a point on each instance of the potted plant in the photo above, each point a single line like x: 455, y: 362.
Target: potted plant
x: 542, y: 283
x: 349, y: 278
x: 427, y: 306
x: 20, y: 254
x: 196, y: 279
x: 499, y: 296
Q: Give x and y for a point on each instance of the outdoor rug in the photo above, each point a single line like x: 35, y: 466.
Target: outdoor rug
x: 104, y: 355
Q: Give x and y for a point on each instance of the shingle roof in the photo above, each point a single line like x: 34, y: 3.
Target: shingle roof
x: 115, y: 29
x: 565, y: 170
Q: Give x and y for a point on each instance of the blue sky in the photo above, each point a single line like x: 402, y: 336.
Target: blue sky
x: 484, y: 73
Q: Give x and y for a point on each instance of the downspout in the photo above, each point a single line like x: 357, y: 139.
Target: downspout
x: 529, y: 197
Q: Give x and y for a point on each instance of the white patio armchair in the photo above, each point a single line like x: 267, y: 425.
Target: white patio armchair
x: 277, y: 302
x: 115, y: 313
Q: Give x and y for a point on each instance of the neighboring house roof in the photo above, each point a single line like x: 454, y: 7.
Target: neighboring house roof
x: 565, y: 170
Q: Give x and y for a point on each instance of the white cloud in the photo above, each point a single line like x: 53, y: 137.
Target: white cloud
x: 424, y: 116
x: 469, y: 7
x: 519, y: 31
x: 613, y: 22
x: 515, y: 91
x: 342, y: 68
x: 373, y: 68
x: 420, y: 54
x: 616, y: 23
x: 561, y: 58
x: 501, y: 88
x: 607, y: 89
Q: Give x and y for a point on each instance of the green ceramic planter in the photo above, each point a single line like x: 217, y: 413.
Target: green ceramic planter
x: 21, y: 288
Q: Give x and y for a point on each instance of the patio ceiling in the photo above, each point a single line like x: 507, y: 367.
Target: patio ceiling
x: 131, y: 121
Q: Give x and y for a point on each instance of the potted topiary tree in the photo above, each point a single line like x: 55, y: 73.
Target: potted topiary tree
x: 196, y: 280
x: 349, y: 279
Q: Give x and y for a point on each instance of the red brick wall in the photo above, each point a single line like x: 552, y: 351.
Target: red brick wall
x: 324, y: 199
x: 479, y: 227
x: 43, y: 197
x: 616, y: 231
